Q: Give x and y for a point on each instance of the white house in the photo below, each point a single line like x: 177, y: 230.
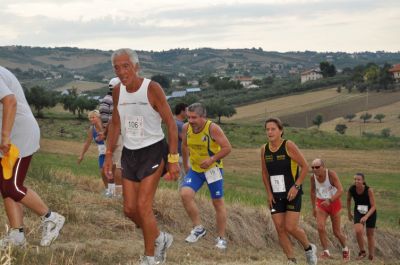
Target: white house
x: 245, y: 81
x: 310, y: 75
x: 395, y: 70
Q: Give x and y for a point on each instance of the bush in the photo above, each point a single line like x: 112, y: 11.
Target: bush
x: 341, y: 128
x: 385, y: 132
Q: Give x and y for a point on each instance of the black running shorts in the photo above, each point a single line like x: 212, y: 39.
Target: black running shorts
x: 371, y: 221
x: 282, y: 205
x: 140, y: 163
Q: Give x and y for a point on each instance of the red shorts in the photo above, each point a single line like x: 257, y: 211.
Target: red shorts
x: 332, y: 209
x: 14, y: 187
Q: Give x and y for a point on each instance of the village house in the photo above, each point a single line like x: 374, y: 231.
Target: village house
x: 395, y: 70
x: 310, y: 75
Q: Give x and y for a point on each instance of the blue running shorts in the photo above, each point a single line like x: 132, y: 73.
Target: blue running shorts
x: 195, y: 180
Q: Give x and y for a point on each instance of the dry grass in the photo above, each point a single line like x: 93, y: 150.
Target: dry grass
x: 356, y: 127
x: 291, y: 104
x: 96, y: 232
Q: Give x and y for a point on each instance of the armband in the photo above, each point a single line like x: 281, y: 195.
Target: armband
x: 173, y: 158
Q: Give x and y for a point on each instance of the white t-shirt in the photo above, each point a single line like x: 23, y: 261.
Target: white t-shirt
x: 25, y: 133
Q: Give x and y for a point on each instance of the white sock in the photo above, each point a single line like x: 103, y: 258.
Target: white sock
x: 150, y: 259
x: 111, y: 188
x: 327, y: 252
x: 345, y: 248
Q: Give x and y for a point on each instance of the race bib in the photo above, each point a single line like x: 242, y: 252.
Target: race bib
x: 213, y: 175
x: 362, y: 209
x: 134, y: 126
x: 101, y: 148
x: 278, y: 183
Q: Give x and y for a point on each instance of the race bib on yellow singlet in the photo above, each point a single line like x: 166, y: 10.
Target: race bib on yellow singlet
x: 213, y: 175
x: 101, y: 148
x: 134, y: 126
x: 278, y: 183
x: 362, y: 209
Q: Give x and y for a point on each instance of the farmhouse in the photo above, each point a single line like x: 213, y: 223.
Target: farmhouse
x: 310, y: 75
x: 395, y: 70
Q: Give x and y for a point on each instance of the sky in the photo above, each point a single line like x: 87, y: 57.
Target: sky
x: 273, y: 25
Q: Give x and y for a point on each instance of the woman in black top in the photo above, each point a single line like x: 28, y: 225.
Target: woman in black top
x: 283, y: 170
x: 364, y: 214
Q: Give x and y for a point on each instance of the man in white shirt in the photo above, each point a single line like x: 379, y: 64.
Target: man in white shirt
x: 19, y: 139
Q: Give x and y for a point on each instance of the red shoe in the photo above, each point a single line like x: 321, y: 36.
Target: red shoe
x: 370, y: 257
x: 346, y: 255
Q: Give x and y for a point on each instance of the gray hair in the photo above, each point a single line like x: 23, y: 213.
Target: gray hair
x: 133, y: 57
x: 198, y: 108
x: 320, y: 161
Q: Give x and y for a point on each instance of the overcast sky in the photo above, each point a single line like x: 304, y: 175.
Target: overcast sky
x: 274, y: 25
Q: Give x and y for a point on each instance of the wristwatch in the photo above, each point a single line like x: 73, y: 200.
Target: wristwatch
x: 297, y: 186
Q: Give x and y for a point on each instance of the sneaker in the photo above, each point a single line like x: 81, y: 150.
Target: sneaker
x: 346, y: 255
x: 370, y: 257
x: 196, y: 233
x: 325, y: 255
x: 311, y: 255
x: 362, y: 254
x: 13, y: 238
x: 146, y: 260
x: 163, y: 242
x: 51, y: 228
x: 221, y: 243
x: 107, y: 193
x: 291, y: 262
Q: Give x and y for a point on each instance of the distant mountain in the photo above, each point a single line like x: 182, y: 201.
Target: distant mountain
x: 54, y: 67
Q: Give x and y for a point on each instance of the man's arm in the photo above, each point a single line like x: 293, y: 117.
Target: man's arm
x: 312, y: 194
x: 219, y: 137
x: 9, y: 110
x: 159, y: 102
x: 185, y: 150
x: 334, y: 179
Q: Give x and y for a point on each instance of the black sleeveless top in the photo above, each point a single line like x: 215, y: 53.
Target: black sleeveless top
x: 280, y: 163
x: 360, y: 199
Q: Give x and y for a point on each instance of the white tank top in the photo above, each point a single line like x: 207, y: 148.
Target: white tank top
x: 324, y: 190
x: 140, y: 123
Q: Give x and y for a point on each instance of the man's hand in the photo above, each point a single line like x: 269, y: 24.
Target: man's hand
x: 173, y: 170
x: 5, y: 145
x: 107, y: 166
x: 206, y: 163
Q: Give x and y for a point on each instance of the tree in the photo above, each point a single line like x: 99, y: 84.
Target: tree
x: 317, y: 120
x: 84, y: 103
x: 327, y: 69
x: 162, y: 80
x: 218, y: 108
x: 379, y: 117
x: 385, y: 132
x: 350, y: 116
x: 341, y: 128
x: 69, y: 99
x: 365, y: 116
x: 39, y: 98
x: 385, y: 78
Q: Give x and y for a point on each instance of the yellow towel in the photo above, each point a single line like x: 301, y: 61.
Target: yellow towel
x: 8, y: 161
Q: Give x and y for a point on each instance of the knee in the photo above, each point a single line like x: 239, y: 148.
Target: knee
x: 130, y: 211
x: 321, y: 228
x: 290, y: 228
x: 187, y: 195
x: 219, y: 204
x: 358, y: 230
x: 280, y: 229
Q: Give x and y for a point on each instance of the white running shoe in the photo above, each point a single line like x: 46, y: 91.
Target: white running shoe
x: 163, y: 242
x: 221, y: 243
x: 51, y: 228
x: 311, y: 255
x: 197, y: 232
x: 13, y: 238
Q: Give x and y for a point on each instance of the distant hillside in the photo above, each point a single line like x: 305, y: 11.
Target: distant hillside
x: 59, y: 65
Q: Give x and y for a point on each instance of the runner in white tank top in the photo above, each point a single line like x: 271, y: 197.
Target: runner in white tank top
x: 140, y: 106
x: 326, y: 191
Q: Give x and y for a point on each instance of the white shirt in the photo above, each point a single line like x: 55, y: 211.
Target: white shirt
x: 140, y: 123
x: 324, y: 190
x: 25, y: 133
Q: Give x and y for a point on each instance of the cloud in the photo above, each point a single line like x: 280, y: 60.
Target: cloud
x: 277, y: 25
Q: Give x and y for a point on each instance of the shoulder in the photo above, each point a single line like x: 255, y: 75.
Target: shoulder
x: 352, y: 188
